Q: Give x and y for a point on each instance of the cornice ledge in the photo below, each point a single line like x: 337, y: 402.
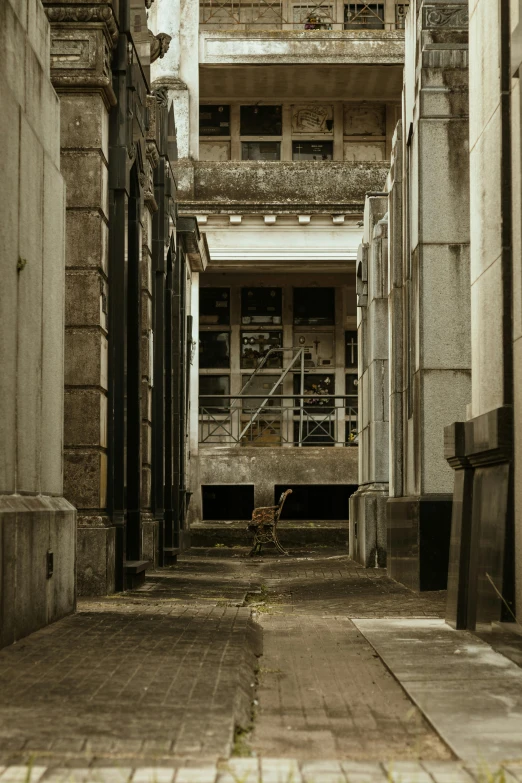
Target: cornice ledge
x: 82, y: 14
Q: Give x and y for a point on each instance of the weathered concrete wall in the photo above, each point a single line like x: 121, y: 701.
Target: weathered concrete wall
x: 484, y: 535
x: 266, y: 467
x: 302, y: 46
x: 433, y: 252
x: 323, y: 182
x: 35, y: 520
x: 368, y: 504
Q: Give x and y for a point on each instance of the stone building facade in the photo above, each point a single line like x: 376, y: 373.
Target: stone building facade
x: 423, y: 327
x: 128, y: 270
x: 453, y: 301
x: 37, y: 524
x: 484, y: 448
x: 284, y: 122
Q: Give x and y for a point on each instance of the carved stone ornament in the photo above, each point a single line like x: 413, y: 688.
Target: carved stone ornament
x: 451, y: 16
x: 148, y: 192
x: 152, y: 154
x: 159, y: 45
x: 84, y: 13
x: 162, y: 96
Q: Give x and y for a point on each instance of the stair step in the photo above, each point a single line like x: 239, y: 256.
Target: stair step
x: 324, y: 533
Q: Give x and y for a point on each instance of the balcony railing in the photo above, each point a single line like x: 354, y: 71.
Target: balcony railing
x: 284, y: 420
x: 294, y: 15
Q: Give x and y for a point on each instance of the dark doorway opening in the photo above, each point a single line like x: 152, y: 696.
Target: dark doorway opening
x: 227, y: 501
x: 315, y: 501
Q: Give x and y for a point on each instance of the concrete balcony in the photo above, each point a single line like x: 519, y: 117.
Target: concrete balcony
x: 281, y: 186
x: 261, y: 47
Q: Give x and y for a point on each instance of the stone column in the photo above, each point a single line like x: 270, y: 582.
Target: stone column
x: 82, y: 39
x: 149, y: 523
x: 179, y: 72
x: 496, y: 324
x: 37, y: 525
x: 516, y: 168
x: 435, y: 287
x: 368, y: 505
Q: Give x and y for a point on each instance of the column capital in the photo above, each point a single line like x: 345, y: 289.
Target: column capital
x: 83, y: 36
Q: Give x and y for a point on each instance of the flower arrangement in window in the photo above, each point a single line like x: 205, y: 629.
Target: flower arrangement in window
x: 318, y: 392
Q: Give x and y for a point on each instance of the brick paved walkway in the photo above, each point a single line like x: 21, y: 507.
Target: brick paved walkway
x: 159, y: 677
x: 273, y: 770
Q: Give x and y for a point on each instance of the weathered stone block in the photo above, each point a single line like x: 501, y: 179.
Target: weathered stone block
x: 484, y: 81
x: 32, y: 543
x: 42, y: 106
x: 52, y: 329
x: 95, y: 560
x: 145, y: 356
x: 486, y: 341
x: 443, y: 204
x: 29, y: 597
x: 378, y: 455
x: 85, y: 478
x: 445, y: 394
x: 84, y: 122
x: 9, y: 200
x: 13, y: 23
x: 62, y: 542
x: 367, y: 539
x: 146, y: 401
x: 378, y: 330
x: 150, y: 528
x: 146, y: 487
x: 146, y: 310
x: 378, y: 391
x: 86, y: 177
x: 84, y: 304
x: 485, y: 194
x: 445, y: 307
x: 87, y: 240
x: 86, y: 355
x: 146, y: 443
x: 39, y: 34
x: 85, y: 417
x: 29, y: 365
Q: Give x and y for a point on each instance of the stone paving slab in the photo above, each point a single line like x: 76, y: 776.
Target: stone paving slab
x: 323, y: 693
x: 471, y: 694
x: 271, y: 770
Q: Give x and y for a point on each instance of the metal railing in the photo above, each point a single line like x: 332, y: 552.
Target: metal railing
x: 294, y: 15
x: 285, y: 419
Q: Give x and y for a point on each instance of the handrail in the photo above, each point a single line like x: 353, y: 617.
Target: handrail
x: 225, y: 420
x: 299, y: 355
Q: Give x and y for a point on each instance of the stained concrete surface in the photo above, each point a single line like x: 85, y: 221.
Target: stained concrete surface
x: 471, y: 693
x: 152, y: 685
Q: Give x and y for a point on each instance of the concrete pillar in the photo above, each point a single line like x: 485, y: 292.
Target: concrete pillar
x: 395, y: 314
x: 493, y: 428
x: 37, y: 525
x: 149, y: 523
x: 179, y: 72
x: 516, y: 167
x: 435, y: 290
x: 86, y: 95
x: 368, y: 504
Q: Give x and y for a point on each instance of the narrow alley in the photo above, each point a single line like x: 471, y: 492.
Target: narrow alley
x: 230, y: 668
